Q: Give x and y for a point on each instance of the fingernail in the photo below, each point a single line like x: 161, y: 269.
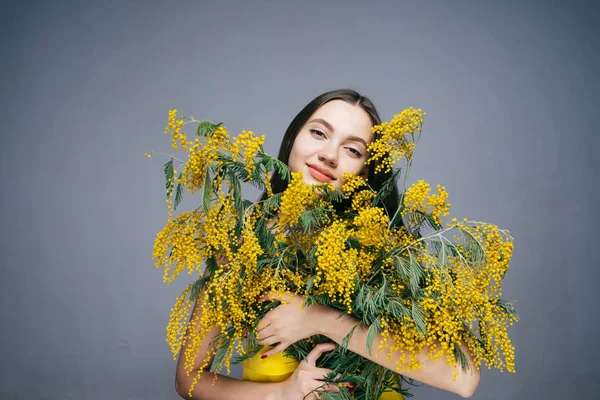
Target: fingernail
x: 257, y: 297
x: 351, y: 384
x: 264, y: 356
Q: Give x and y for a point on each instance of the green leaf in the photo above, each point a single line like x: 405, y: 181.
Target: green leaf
x: 211, y: 265
x: 387, y: 187
x: 508, y: 307
x: 373, y: 330
x: 396, y: 308
x: 272, y: 203
x: 271, y: 163
x: 169, y: 177
x: 460, y: 357
x: 312, y: 258
x: 307, y: 220
x: 419, y: 317
x: 354, y: 243
x: 222, y: 351
x: 409, y: 269
x: 178, y: 192
x: 206, y: 128
x: 237, y: 193
x: 346, y: 340
x: 207, y: 193
x: 252, y: 348
x: 474, y: 248
x: 310, y: 283
x: 332, y: 195
x: 197, y: 287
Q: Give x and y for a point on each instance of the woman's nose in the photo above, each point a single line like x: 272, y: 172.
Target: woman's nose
x: 328, y: 155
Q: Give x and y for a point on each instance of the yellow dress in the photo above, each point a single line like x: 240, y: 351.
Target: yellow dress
x: 278, y: 367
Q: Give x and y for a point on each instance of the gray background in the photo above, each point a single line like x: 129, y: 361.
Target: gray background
x: 510, y: 89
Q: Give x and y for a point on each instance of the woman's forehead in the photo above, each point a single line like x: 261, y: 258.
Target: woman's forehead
x: 344, y: 118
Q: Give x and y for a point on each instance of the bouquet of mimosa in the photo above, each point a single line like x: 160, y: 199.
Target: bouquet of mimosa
x: 404, y: 275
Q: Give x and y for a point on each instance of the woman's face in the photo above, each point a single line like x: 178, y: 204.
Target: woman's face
x: 333, y: 141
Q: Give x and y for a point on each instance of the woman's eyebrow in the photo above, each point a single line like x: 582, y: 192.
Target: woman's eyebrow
x: 357, y: 139
x: 330, y: 127
x: 322, y: 121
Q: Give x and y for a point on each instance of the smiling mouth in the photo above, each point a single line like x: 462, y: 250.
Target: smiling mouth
x: 318, y: 175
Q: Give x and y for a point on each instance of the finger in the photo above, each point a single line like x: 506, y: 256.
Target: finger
x: 324, y: 387
x: 320, y: 373
x: 319, y: 349
x: 277, y: 349
x: 330, y: 387
x: 265, y: 332
x: 263, y: 323
x: 268, y: 341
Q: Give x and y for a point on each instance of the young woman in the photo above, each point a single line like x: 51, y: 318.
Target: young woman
x: 327, y: 138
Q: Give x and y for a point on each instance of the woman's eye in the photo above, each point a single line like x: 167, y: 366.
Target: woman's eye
x: 355, y: 152
x: 317, y: 132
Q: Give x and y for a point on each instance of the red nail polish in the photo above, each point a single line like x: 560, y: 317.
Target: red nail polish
x: 264, y: 356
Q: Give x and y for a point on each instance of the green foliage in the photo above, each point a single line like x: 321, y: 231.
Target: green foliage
x: 387, y: 187
x: 222, y: 342
x: 207, y: 193
x: 168, y: 169
x: 178, y: 192
x: 374, y: 329
x: 197, y: 287
x: 207, y: 128
x: 272, y: 163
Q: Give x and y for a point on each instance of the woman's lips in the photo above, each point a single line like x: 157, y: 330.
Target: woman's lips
x: 318, y: 175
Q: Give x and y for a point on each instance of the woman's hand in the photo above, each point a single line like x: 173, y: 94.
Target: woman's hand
x: 306, y: 381
x: 290, y: 322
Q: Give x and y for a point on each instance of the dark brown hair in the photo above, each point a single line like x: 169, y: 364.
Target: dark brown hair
x: 350, y: 96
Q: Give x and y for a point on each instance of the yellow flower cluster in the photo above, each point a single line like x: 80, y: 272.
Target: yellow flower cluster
x: 417, y: 199
x: 371, y: 225
x: 363, y: 199
x: 393, y: 143
x: 216, y: 142
x: 334, y: 271
x: 200, y: 157
x: 174, y: 127
x: 464, y: 293
x: 352, y: 182
x: 192, y: 237
x: 267, y: 183
x: 295, y: 199
x: 249, y: 144
x: 402, y: 336
x: 177, y: 243
x: 178, y: 320
x: 218, y: 227
x: 228, y: 299
x: 194, y: 171
x: 364, y: 264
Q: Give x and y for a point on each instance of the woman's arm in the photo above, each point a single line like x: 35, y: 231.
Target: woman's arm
x: 290, y: 322
x: 433, y: 373
x: 224, y: 387
x: 304, y: 380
